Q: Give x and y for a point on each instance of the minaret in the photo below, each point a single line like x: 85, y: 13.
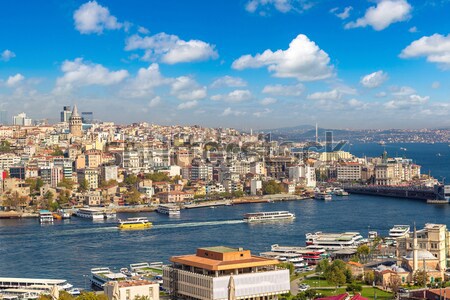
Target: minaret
x: 317, y: 133
x: 75, y: 124
x: 415, y: 251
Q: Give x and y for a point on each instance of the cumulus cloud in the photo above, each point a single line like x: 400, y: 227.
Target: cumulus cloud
x: 146, y: 80
x: 342, y: 15
x: 262, y: 113
x: 7, y: 55
x: 385, y: 13
x: 91, y: 17
x: 407, y: 102
x: 329, y: 95
x: 268, y: 101
x: 154, y: 101
x: 14, y: 80
x: 284, y: 90
x: 171, y: 49
x: 283, y: 6
x: 436, y: 48
x: 233, y: 96
x: 303, y: 60
x: 374, y: 79
x: 186, y: 88
x: 402, y: 91
x: 78, y: 73
x: 188, y: 104
x: 230, y: 112
x: 228, y: 81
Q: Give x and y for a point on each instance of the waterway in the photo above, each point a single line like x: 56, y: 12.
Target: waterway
x: 68, y: 249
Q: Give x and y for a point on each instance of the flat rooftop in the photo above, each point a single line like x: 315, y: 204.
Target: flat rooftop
x: 223, y: 258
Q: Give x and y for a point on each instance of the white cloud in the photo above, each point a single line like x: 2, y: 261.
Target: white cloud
x: 407, y: 102
x: 342, y: 15
x: 283, y: 6
x: 143, y: 30
x: 78, y: 73
x: 284, y: 90
x: 188, y: 104
x: 145, y: 81
x: 268, y: 101
x: 7, y: 55
x: 14, y: 80
x: 330, y: 95
x: 186, y: 88
x: 436, y: 48
x: 262, y: 113
x: 413, y: 29
x: 91, y: 17
x: 234, y: 96
x: 229, y: 112
x: 383, y: 14
x: 171, y: 49
x: 303, y: 60
x: 154, y: 102
x: 436, y: 85
x: 228, y: 81
x: 381, y: 94
x: 402, y: 91
x: 374, y: 79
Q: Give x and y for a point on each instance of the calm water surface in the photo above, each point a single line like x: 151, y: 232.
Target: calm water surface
x: 68, y: 249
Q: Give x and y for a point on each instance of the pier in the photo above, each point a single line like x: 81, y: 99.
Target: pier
x: 437, y: 193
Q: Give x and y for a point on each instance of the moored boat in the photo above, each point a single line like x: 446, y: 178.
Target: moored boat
x: 134, y: 223
x: 322, y: 196
x: 45, y: 216
x: 168, y: 209
x: 90, y: 213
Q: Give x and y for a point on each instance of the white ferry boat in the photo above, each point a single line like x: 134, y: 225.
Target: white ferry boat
x: 45, y: 216
x: 90, y: 213
x: 100, y: 276
x: 269, y: 216
x: 7, y: 282
x: 322, y: 196
x: 334, y: 241
x: 167, y: 209
x: 399, y: 231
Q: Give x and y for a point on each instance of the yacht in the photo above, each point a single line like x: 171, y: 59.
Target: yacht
x: 335, y: 241
x: 100, y: 276
x: 8, y: 282
x: 268, y: 216
x: 134, y: 223
x: 45, y: 216
x: 109, y: 214
x: 322, y: 196
x: 90, y: 213
x: 339, y: 192
x: 63, y: 213
x: 167, y: 209
x: 399, y: 231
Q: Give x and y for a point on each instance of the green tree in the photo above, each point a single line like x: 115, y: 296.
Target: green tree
x: 66, y: 183
x: 363, y: 250
x: 57, y: 152
x: 141, y: 297
x: 15, y: 201
x: 91, y: 296
x: 64, y: 196
x: 5, y: 146
x: 369, y: 277
x: 133, y: 196
x: 336, y: 273
x: 157, y: 176
x: 420, y: 277
x: 84, y: 186
x: 63, y: 295
x: 131, y: 180
x: 354, y: 287
x: 238, y: 194
x: 289, y: 266
x: 271, y: 187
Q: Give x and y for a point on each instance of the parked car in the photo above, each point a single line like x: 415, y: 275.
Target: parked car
x: 303, y: 287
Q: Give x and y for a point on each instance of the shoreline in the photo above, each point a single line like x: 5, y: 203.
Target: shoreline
x: 200, y: 204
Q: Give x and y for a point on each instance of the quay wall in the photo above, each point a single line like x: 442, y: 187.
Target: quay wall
x: 413, y: 193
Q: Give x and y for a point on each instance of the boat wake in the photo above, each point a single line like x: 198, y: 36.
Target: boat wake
x: 197, y: 224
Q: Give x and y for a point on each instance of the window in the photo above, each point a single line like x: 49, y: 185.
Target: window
x: 128, y: 294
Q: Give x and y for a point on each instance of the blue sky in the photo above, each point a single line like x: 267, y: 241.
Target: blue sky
x: 242, y: 63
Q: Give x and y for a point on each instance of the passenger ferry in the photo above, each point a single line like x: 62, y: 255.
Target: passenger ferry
x: 100, y: 276
x: 335, y: 241
x: 322, y: 196
x: 268, y: 216
x: 167, y: 209
x: 7, y: 282
x: 90, y: 213
x: 45, y: 216
x: 135, y: 223
x: 399, y: 231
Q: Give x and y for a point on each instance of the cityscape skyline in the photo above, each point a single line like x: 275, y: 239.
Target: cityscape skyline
x: 246, y: 64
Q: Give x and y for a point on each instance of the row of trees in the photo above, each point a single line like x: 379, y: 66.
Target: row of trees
x: 336, y: 273
x: 84, y: 296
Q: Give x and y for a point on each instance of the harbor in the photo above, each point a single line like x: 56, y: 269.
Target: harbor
x: 102, y: 244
